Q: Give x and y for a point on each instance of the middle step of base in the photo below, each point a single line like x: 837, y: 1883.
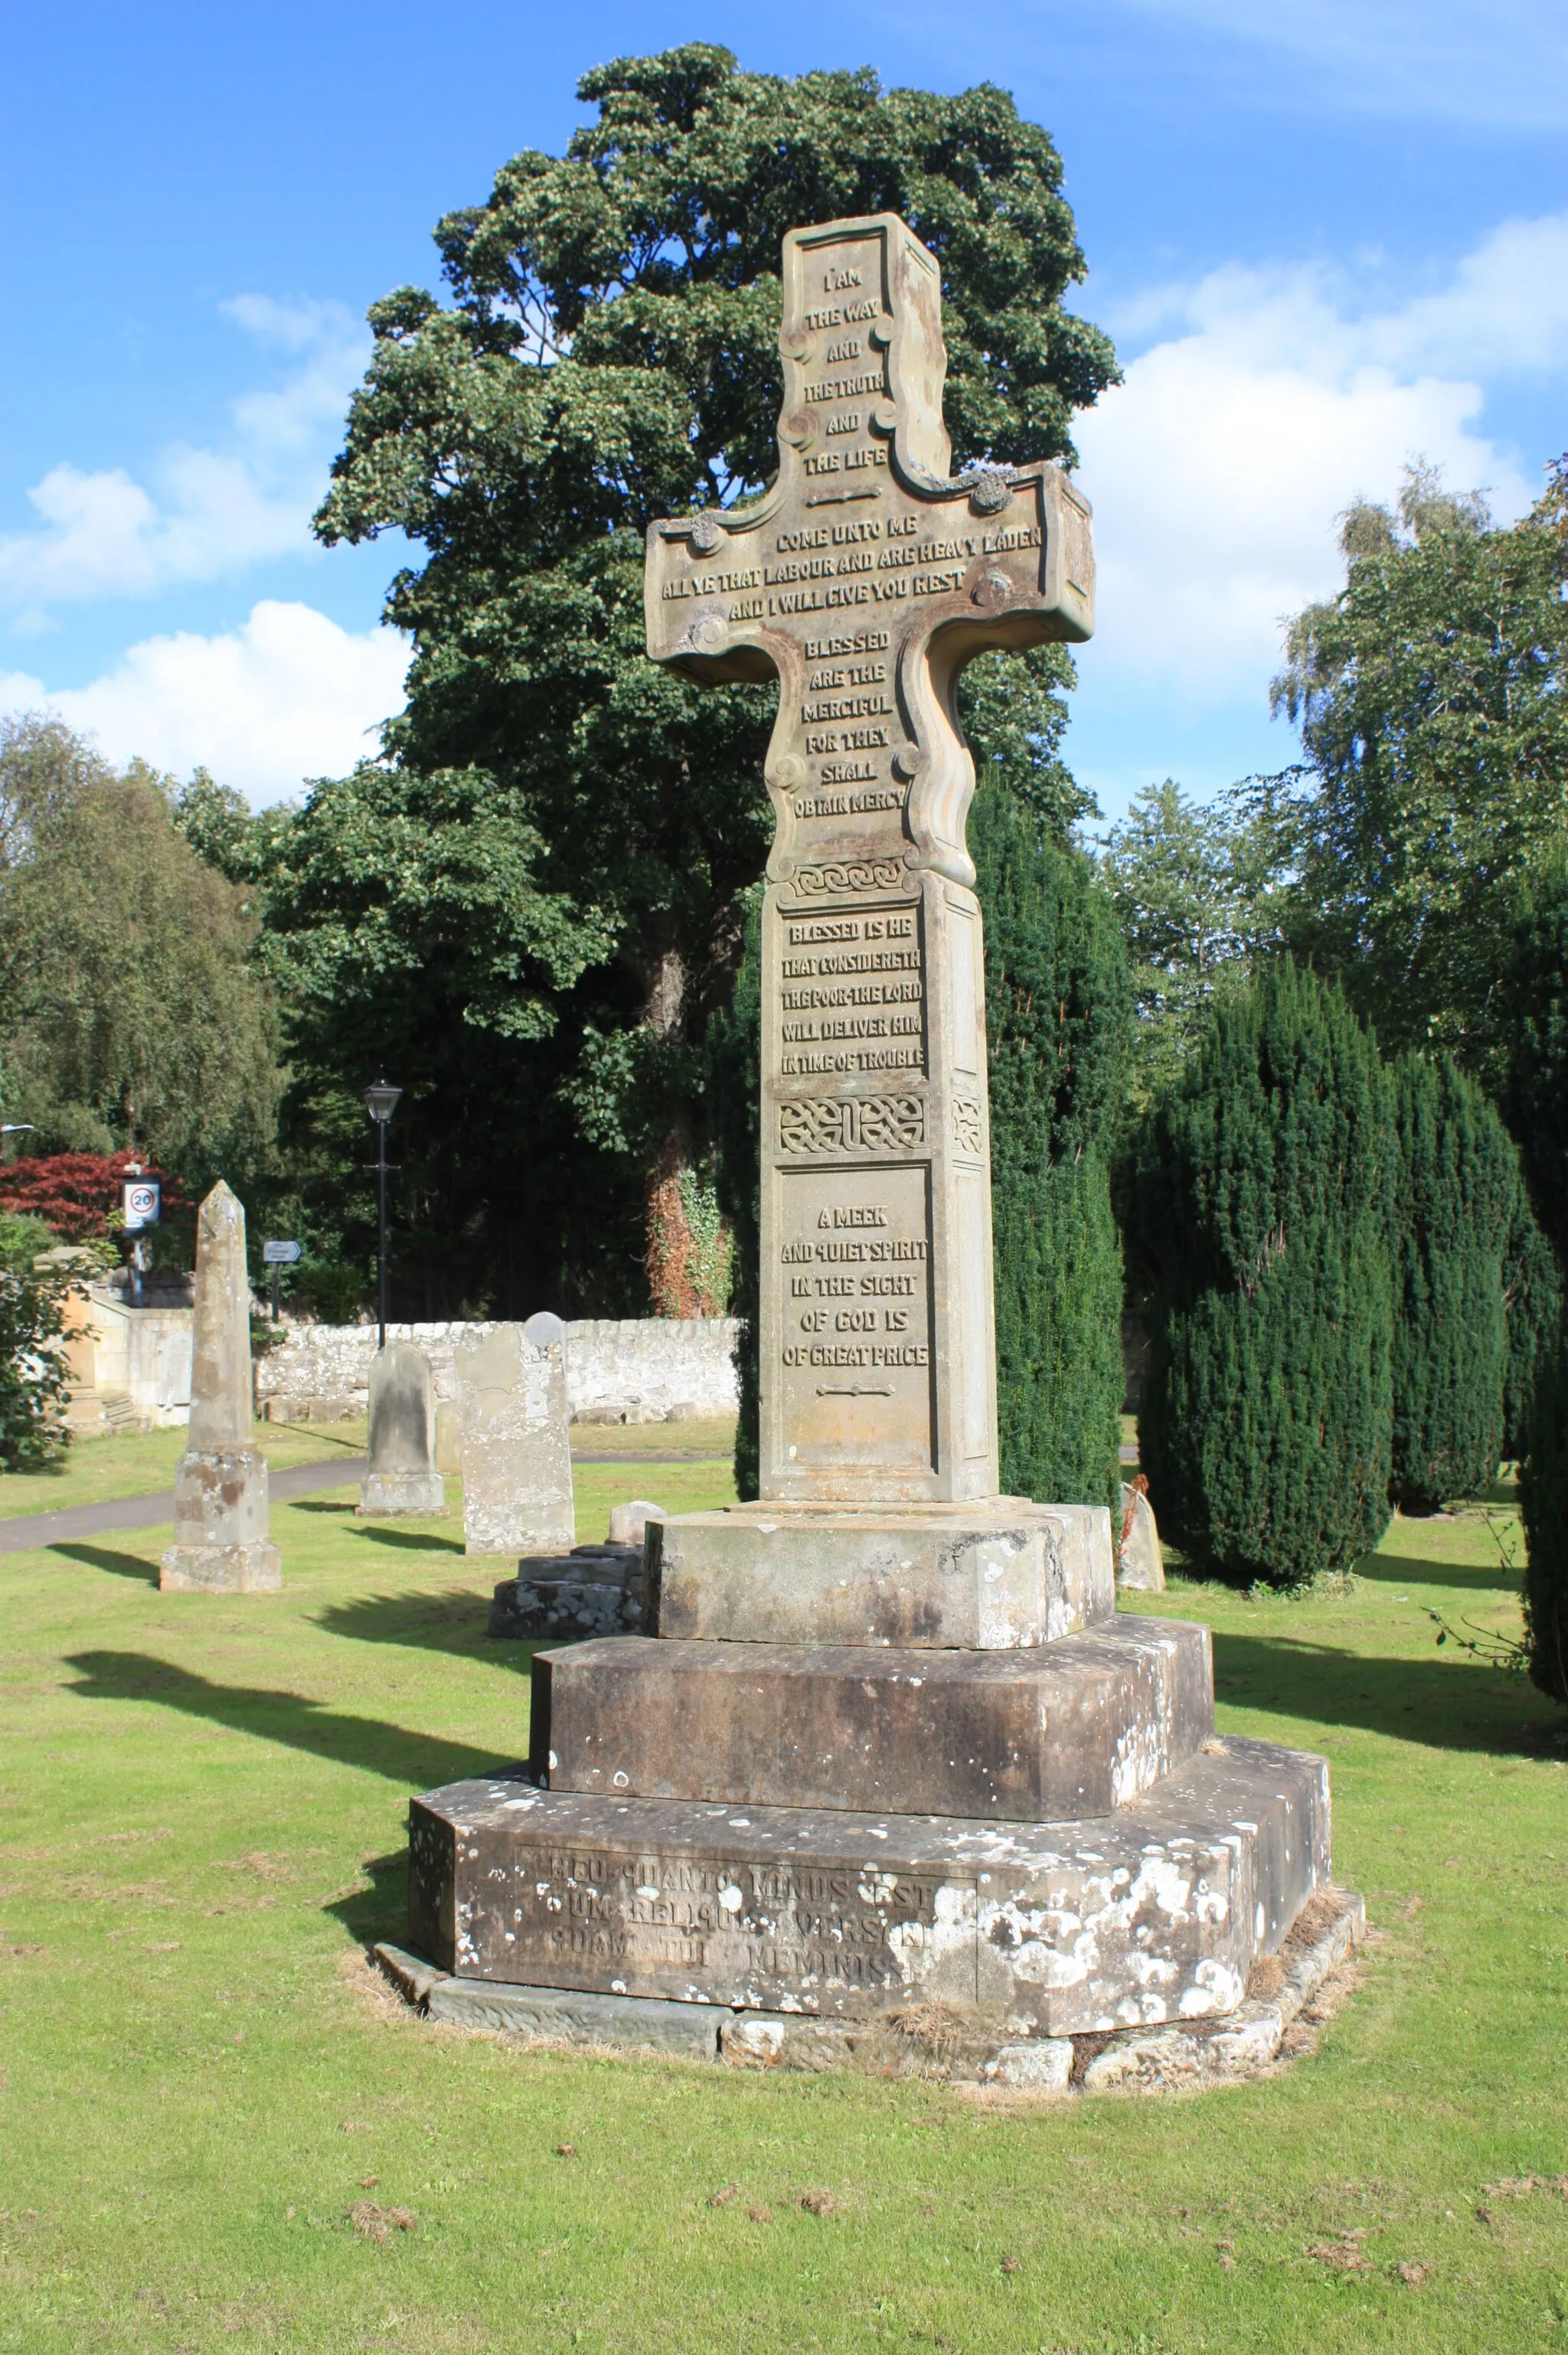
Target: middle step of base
x: 1076, y: 1728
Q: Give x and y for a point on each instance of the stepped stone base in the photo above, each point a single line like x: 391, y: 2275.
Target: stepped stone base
x: 220, y: 1569
x: 383, y: 1495
x: 1000, y: 1575
x: 921, y: 2040
x: 592, y: 1590
x: 1075, y: 1728
x: 1154, y: 1913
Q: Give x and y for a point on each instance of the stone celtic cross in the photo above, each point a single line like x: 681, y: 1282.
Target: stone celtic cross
x: 864, y: 579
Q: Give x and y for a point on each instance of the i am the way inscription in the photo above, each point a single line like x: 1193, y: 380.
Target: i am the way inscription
x: 864, y: 579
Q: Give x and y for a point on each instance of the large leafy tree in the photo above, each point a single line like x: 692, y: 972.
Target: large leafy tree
x: 1198, y: 887
x: 132, y: 1012
x: 1432, y: 696
x: 606, y: 354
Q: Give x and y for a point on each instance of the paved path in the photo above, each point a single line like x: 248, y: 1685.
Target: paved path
x: 67, y: 1522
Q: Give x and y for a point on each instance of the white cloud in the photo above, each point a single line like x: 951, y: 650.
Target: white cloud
x: 1219, y: 469
x: 1503, y: 64
x: 204, y: 513
x: 287, y: 696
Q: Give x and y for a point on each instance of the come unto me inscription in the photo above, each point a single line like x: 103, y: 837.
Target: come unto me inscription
x: 864, y: 579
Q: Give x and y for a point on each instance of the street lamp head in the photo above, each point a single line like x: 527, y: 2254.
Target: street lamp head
x: 381, y: 1102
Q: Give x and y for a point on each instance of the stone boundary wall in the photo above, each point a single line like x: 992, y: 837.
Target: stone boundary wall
x: 628, y: 1370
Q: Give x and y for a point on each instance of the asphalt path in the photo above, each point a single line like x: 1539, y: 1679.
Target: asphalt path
x: 67, y: 1522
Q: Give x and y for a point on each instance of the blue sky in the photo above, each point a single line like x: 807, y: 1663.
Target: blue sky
x: 1325, y: 237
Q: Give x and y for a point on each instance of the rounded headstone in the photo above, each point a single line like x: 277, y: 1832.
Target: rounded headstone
x: 629, y: 1522
x: 543, y: 1329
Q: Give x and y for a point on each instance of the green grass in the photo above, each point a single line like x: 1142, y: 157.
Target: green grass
x: 706, y: 1435
x: 140, y: 1463
x: 201, y: 1823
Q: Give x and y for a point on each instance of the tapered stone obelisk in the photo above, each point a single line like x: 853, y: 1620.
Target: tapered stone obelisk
x: 220, y: 1488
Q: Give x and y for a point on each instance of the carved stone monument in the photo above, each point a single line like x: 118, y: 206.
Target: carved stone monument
x: 516, y: 1431
x: 884, y: 1736
x: 402, y: 1478
x: 221, y: 1487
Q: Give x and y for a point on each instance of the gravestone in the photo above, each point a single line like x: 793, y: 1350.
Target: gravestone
x: 402, y: 1478
x: 884, y: 1738
x: 516, y: 1451
x: 220, y: 1487
x: 1140, y: 1566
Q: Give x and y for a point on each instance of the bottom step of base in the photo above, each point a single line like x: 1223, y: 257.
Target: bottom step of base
x: 1154, y: 1913
x: 925, y: 2040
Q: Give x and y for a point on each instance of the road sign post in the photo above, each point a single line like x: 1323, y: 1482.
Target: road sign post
x: 276, y: 1254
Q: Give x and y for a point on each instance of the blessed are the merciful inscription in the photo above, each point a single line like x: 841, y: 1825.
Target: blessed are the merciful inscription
x: 864, y: 579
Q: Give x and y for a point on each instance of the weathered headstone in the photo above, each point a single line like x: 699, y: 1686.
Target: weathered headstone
x: 516, y: 1431
x: 401, y: 1477
x: 1140, y: 1566
x: 890, y: 1740
x: 221, y: 1487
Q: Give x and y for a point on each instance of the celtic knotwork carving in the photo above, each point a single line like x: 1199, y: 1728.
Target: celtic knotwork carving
x: 813, y: 1126
x: 967, y: 1133
x: 852, y: 1125
x: 850, y: 875
x: 706, y: 535
x: 892, y: 1124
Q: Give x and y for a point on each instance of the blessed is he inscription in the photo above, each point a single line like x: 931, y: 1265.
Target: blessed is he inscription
x: 863, y: 580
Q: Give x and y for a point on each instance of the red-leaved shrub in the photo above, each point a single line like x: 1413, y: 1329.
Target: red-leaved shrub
x: 75, y: 1193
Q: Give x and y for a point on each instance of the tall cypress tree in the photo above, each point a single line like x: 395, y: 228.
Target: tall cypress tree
x: 1452, y: 1200
x: 1535, y: 1033
x: 1266, y: 1422
x: 734, y: 1089
x: 1543, y: 1499
x: 1533, y: 1288
x: 1059, y: 1028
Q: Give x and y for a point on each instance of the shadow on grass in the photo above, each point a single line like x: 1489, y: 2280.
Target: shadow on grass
x: 314, y: 1505
x: 382, y: 1910
x: 419, y: 1761
x: 456, y: 1622
x: 1419, y: 1570
x: 410, y: 1540
x: 119, y: 1565
x: 1445, y: 1703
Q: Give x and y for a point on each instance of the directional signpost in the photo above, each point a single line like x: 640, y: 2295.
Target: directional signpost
x: 276, y: 1255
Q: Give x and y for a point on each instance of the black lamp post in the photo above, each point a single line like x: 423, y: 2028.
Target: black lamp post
x: 382, y: 1103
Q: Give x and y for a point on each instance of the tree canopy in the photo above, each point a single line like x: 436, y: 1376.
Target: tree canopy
x: 607, y: 354
x: 132, y: 1013
x: 1432, y: 696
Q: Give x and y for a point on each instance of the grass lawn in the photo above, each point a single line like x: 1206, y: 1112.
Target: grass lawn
x: 201, y: 1824
x: 140, y: 1463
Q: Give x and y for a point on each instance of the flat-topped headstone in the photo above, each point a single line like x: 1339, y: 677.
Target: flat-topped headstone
x: 863, y: 580
x: 517, y: 1448
x: 402, y: 1478
x: 220, y: 1486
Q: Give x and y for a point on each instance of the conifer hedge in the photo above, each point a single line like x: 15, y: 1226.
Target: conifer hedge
x: 1455, y: 1198
x: 1266, y: 1422
x: 1058, y: 1019
x: 1543, y: 1500
x: 1533, y: 1288
x: 734, y: 1087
